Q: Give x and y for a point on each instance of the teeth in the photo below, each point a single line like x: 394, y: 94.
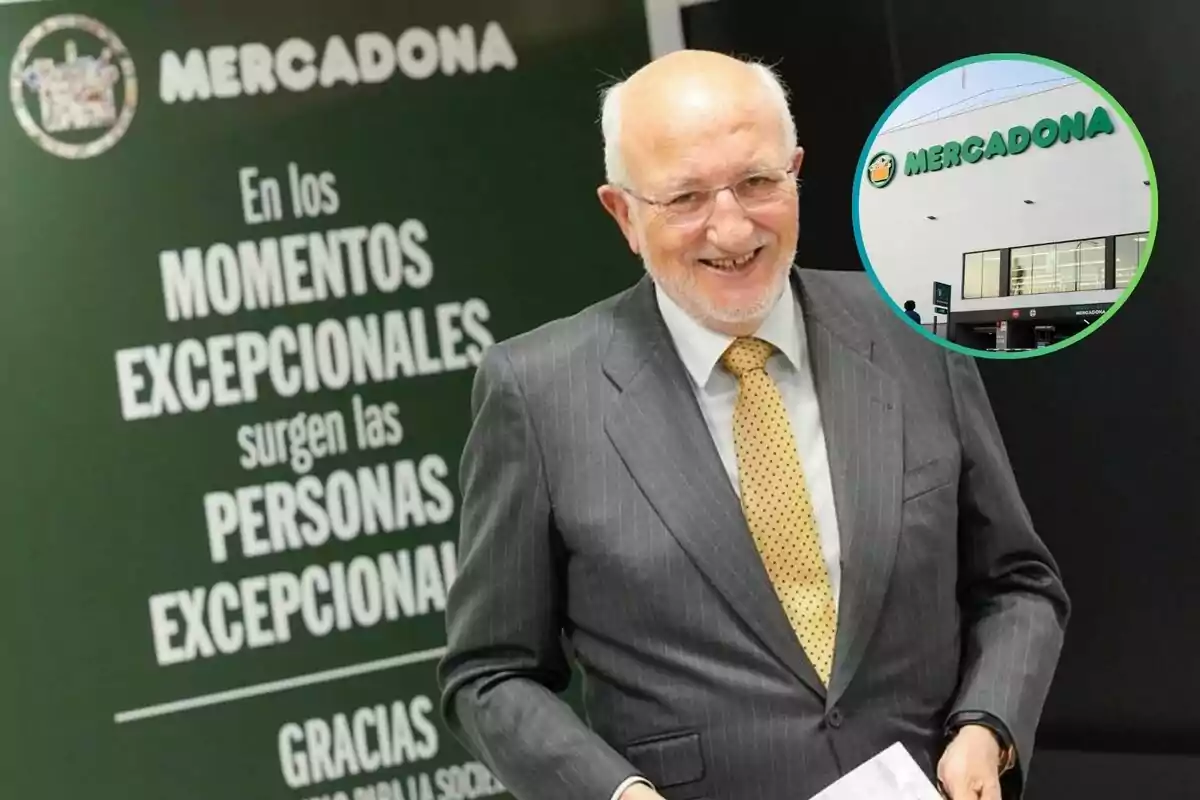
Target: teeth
x: 732, y: 263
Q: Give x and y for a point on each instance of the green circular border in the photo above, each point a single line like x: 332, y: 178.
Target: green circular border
x: 1147, y: 252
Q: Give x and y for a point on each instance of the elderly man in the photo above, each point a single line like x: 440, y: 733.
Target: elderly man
x: 775, y: 528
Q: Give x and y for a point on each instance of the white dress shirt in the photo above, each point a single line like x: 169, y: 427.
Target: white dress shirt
x: 716, y: 389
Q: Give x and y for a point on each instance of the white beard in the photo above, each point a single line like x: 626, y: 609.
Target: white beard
x: 683, y: 291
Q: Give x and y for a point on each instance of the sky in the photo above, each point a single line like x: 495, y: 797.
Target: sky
x: 979, y: 84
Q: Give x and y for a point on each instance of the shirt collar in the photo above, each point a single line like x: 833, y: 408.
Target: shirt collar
x: 700, y: 348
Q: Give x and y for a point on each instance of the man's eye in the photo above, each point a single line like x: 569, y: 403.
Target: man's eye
x: 684, y: 200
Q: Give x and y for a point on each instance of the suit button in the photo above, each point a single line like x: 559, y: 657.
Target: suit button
x: 834, y: 718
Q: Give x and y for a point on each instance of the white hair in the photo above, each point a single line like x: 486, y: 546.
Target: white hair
x: 610, y: 121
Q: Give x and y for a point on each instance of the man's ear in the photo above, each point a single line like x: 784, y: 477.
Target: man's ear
x: 616, y: 203
x: 798, y: 159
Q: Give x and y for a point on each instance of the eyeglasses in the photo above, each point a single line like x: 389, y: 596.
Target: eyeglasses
x: 755, y: 192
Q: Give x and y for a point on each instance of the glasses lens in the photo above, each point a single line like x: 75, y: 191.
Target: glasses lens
x: 760, y: 189
x: 688, y: 209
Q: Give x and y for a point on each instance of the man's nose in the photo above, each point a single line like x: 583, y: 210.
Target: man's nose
x: 728, y: 226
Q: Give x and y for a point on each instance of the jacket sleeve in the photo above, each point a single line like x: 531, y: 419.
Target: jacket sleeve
x: 1015, y: 607
x: 504, y: 661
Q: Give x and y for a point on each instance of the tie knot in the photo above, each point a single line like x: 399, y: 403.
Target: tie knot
x: 746, y: 355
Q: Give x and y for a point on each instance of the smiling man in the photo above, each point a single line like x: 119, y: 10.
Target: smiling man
x: 775, y: 528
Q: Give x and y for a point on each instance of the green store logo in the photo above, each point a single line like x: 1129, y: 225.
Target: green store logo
x: 1044, y: 134
x: 881, y: 169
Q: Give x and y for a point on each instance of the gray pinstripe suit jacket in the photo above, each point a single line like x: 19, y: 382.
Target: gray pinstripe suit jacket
x: 598, y: 523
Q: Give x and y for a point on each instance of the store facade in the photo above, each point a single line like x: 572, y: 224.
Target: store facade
x: 1036, y: 212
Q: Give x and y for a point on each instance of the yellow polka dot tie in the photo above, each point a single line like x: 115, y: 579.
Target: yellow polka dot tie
x: 777, y: 505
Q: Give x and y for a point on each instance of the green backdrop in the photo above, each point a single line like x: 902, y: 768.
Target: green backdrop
x: 186, y: 613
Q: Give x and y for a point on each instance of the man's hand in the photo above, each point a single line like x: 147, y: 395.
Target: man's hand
x: 970, y: 767
x: 640, y: 791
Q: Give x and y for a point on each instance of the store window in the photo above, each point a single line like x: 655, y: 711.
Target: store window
x: 1129, y: 255
x: 1091, y: 265
x: 981, y: 275
x: 1076, y: 266
x: 1080, y: 265
x: 1032, y: 270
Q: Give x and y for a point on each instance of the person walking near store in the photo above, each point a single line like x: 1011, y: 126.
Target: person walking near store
x: 910, y: 310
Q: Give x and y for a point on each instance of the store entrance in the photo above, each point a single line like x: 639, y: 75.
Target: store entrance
x: 975, y: 335
x: 1030, y: 335
x: 1020, y: 334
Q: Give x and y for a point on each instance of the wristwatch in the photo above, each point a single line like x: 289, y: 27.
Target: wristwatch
x: 1008, y: 750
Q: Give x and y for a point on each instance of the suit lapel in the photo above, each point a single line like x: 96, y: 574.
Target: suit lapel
x: 862, y: 422
x: 657, y: 427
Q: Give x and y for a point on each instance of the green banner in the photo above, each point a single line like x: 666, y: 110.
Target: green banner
x: 252, y: 254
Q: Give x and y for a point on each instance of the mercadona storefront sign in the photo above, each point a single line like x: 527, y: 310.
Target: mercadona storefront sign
x: 1079, y: 126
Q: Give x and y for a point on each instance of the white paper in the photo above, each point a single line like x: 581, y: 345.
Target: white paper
x: 891, y: 775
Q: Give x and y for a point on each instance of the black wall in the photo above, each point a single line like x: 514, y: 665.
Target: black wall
x: 1104, y: 436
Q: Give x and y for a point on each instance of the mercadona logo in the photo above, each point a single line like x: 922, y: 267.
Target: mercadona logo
x: 79, y: 106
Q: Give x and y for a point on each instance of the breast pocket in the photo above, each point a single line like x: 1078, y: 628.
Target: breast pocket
x: 672, y: 762
x: 927, y: 477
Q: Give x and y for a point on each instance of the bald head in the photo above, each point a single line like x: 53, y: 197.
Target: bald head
x: 701, y: 156
x: 689, y: 95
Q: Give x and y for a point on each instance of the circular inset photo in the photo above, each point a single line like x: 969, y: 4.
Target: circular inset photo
x: 1006, y: 205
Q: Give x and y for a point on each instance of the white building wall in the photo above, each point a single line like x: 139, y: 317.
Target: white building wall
x: 1082, y: 189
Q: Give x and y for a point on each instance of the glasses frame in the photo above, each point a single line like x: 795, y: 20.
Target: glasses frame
x: 712, y: 192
